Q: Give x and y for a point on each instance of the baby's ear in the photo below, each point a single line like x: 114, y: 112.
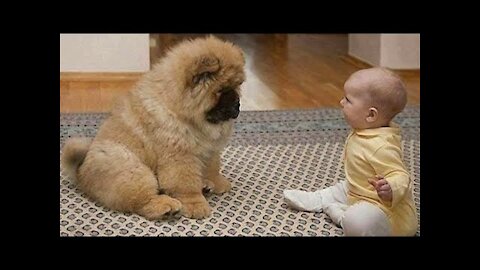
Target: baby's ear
x: 204, y: 67
x: 372, y: 115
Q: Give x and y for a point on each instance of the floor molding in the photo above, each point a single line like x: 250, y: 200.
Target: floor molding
x: 99, y: 76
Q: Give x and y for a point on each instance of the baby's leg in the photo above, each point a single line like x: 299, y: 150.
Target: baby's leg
x: 365, y: 219
x: 318, y: 200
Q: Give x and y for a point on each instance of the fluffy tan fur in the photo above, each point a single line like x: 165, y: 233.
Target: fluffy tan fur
x: 156, y: 152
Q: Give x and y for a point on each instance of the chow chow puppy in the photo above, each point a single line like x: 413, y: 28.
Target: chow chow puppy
x: 160, y: 147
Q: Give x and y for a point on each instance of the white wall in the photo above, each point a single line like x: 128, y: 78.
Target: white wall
x: 396, y: 51
x: 104, y: 53
x: 365, y: 47
x: 400, y: 51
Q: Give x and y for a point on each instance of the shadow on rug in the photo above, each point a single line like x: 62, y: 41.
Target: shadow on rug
x: 269, y: 151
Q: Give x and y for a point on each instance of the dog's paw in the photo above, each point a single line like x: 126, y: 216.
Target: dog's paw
x: 222, y: 185
x: 195, y: 207
x: 161, y: 207
x: 208, y: 186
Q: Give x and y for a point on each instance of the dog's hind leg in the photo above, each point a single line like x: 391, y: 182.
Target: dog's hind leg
x: 117, y: 178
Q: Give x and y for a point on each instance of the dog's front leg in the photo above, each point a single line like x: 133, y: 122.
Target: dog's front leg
x: 181, y: 177
x: 219, y: 184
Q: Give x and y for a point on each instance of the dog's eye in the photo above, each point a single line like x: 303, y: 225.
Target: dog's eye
x: 202, y: 77
x: 225, y: 90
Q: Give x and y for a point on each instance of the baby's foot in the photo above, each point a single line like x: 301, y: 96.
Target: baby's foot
x: 336, y: 211
x: 303, y: 200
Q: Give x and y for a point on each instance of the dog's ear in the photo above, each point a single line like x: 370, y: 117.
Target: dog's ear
x: 204, y: 68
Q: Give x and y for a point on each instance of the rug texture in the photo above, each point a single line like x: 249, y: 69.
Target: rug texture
x: 269, y: 151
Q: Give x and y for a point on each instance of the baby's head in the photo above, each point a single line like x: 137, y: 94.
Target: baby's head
x: 373, y: 97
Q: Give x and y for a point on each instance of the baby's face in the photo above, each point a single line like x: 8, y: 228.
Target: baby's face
x: 355, y: 102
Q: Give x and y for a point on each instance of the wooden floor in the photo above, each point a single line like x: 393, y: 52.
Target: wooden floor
x: 283, y: 72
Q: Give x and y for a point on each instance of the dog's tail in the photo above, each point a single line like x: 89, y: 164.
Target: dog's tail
x: 74, y: 152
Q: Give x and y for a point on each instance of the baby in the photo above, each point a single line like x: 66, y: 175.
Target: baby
x: 376, y: 198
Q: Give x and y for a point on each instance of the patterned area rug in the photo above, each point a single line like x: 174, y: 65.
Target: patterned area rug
x: 269, y: 151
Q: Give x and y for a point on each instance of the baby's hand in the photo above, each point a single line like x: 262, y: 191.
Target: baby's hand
x: 382, y: 187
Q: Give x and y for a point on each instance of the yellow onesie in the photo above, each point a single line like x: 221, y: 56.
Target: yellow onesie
x: 378, y: 151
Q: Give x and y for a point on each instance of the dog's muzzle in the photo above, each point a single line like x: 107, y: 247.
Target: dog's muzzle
x: 228, y: 107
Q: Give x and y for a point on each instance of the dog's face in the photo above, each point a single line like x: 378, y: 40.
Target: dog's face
x: 216, y: 88
x: 210, y: 72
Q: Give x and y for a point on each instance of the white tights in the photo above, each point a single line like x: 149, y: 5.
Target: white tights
x: 360, y: 219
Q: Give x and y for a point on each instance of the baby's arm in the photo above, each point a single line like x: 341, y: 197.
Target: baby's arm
x: 387, y: 162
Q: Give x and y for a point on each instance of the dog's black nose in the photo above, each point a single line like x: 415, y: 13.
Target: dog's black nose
x: 236, y: 110
x: 235, y: 114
